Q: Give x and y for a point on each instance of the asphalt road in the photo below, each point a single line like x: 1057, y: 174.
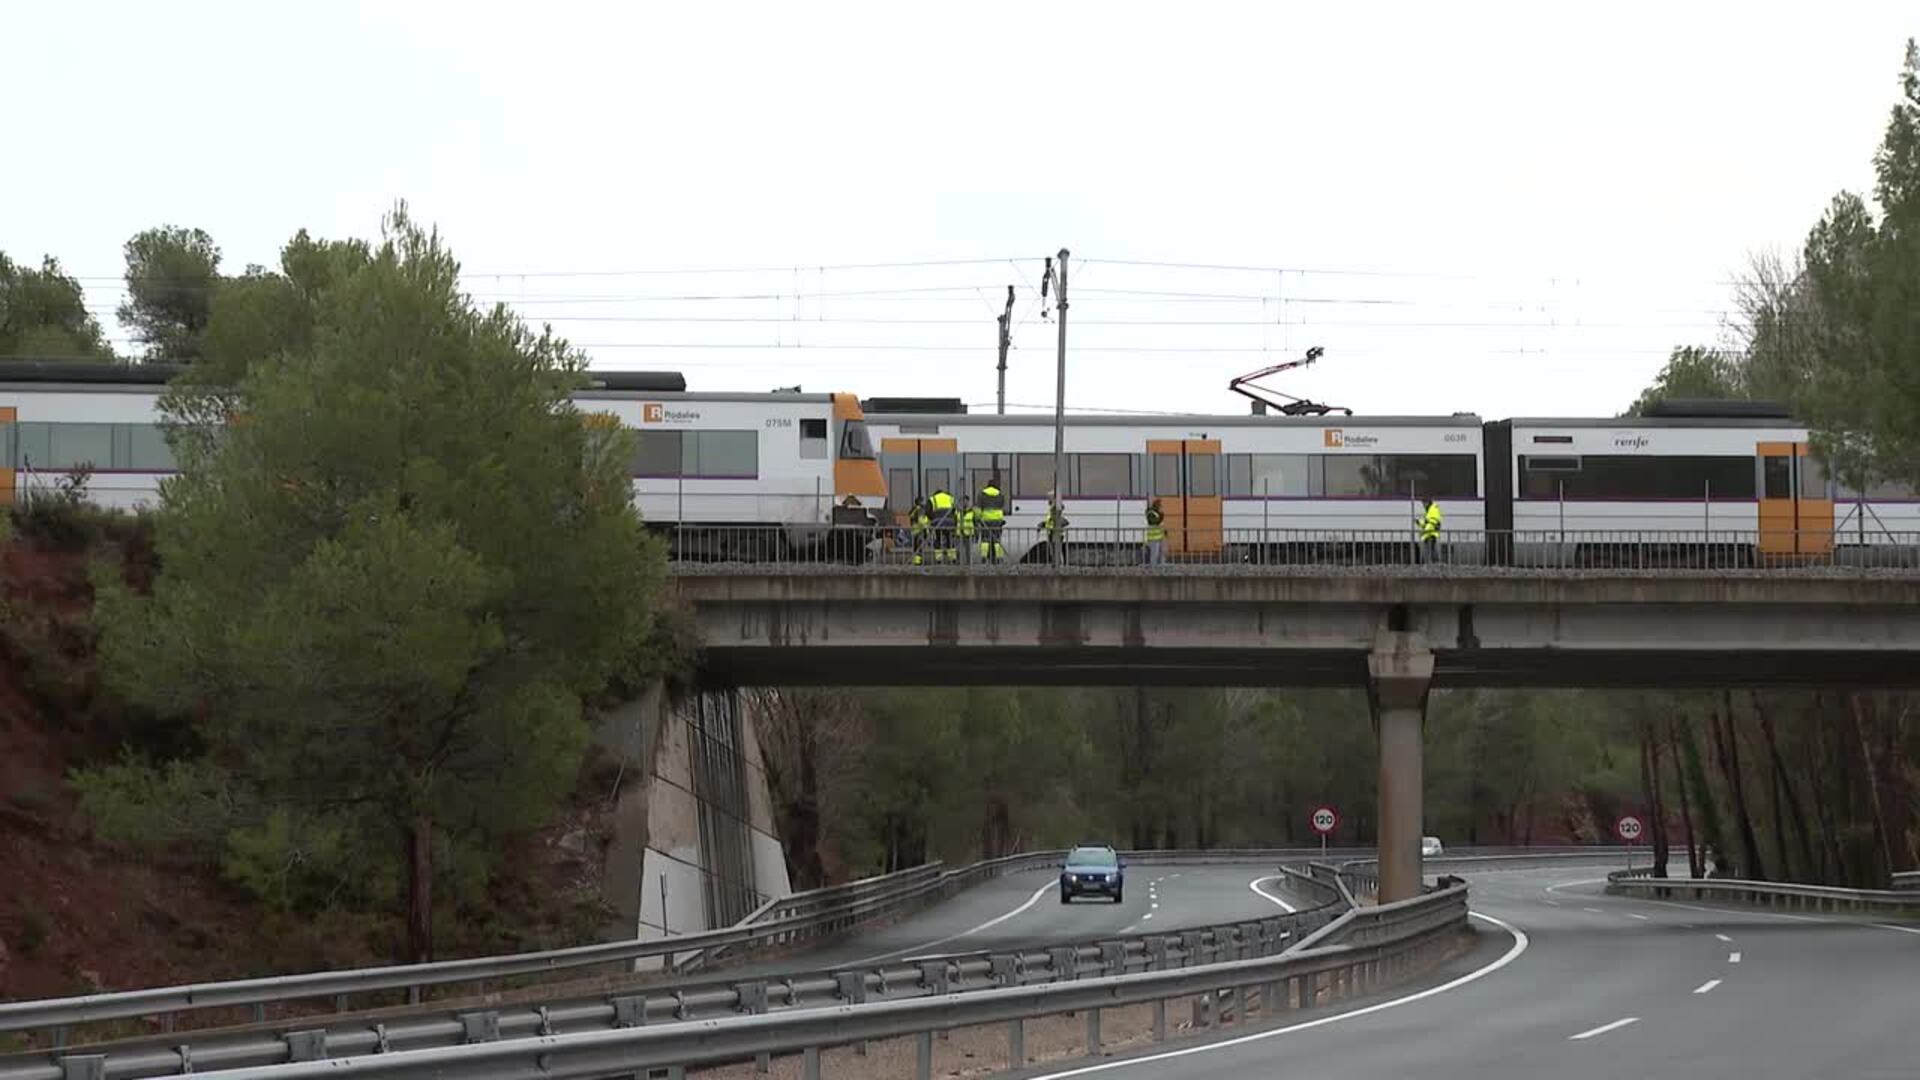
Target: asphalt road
x: 1578, y: 984
x: 1022, y: 911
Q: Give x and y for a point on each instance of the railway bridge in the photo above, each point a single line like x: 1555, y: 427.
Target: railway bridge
x: 1398, y: 631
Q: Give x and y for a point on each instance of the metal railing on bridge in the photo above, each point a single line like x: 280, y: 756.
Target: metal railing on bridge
x: 1295, y: 550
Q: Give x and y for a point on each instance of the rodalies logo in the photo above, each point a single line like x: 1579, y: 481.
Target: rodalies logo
x: 1339, y: 438
x: 652, y: 412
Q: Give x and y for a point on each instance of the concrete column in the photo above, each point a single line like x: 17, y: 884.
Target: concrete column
x: 1399, y: 673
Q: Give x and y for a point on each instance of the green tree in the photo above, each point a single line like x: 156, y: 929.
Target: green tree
x: 43, y: 315
x: 1693, y: 373
x: 387, y: 585
x: 172, y: 276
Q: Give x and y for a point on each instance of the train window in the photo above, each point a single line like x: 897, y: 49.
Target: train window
x: 1103, y: 475
x: 1203, y: 474
x: 30, y: 445
x: 1439, y: 476
x: 899, y: 489
x: 1033, y: 475
x: 982, y: 467
x: 656, y: 453
x: 1166, y: 475
x: 1279, y: 474
x: 1888, y: 489
x: 731, y: 455
x: 1633, y: 476
x: 1813, y: 478
x: 1350, y: 475
x: 147, y: 449
x: 1240, y: 474
x: 1442, y: 476
x: 72, y: 445
x: 813, y: 438
x: 1776, y: 474
x: 855, y: 445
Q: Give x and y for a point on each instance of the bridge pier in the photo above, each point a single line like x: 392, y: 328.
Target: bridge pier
x: 1399, y: 674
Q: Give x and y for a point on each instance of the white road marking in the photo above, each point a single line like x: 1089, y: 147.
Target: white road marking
x: 1707, y: 986
x: 1520, y: 942
x: 1147, y: 916
x: 1553, y: 903
x: 1595, y: 910
x: 1604, y: 1028
x: 989, y: 924
x: 1255, y: 886
x: 1155, y: 905
x: 1733, y: 958
x: 1723, y: 937
x: 1642, y: 918
x: 1557, y: 886
x: 1902, y: 929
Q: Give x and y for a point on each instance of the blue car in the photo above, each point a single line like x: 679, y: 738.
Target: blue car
x: 1095, y: 871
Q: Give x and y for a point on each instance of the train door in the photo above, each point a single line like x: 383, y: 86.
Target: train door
x: 916, y: 468
x: 8, y: 416
x: 1796, y: 509
x: 1184, y: 475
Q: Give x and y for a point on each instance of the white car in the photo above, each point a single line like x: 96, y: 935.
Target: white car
x: 1430, y: 846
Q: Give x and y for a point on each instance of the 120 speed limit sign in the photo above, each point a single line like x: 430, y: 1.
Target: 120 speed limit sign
x: 1324, y: 819
x: 1628, y: 828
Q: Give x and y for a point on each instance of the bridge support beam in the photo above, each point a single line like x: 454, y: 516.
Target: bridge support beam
x: 1399, y: 674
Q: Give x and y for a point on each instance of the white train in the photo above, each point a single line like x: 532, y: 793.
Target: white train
x: 717, y: 469
x: 1230, y: 486
x: 1739, y: 478
x: 705, y: 464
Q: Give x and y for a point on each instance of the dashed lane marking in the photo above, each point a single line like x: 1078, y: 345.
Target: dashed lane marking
x: 1604, y: 1028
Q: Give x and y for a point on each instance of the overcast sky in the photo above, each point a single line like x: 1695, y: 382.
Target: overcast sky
x: 1510, y: 209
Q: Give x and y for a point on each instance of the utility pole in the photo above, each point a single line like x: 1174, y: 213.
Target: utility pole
x: 1006, y: 340
x: 1060, y: 406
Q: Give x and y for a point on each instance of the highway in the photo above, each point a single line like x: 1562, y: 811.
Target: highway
x: 1023, y: 911
x: 1570, y: 983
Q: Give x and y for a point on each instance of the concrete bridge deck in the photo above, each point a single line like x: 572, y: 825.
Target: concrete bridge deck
x: 1266, y: 626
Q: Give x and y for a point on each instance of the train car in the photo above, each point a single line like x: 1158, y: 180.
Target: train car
x: 1233, y: 488
x: 715, y: 469
x: 1726, y: 481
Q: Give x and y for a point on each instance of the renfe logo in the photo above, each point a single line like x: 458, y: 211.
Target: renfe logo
x: 652, y: 412
x: 1629, y: 441
x: 1339, y: 439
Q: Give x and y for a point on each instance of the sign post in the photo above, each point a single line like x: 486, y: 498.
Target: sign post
x: 1324, y: 820
x: 1628, y: 829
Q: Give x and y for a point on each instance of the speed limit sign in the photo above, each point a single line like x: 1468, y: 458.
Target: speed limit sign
x: 1628, y: 828
x: 1325, y: 819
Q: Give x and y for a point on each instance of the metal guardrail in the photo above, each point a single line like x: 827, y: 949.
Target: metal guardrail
x: 1387, y: 942
x: 919, y: 976
x: 797, y: 919
x: 801, y: 917
x: 710, y: 550
x: 1907, y: 879
x: 1775, y: 895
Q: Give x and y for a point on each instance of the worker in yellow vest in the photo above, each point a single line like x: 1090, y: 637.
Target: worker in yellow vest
x: 992, y: 506
x: 969, y: 523
x: 917, y: 520
x: 1430, y: 532
x: 941, y: 512
x: 1054, y: 526
x: 1156, y: 534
